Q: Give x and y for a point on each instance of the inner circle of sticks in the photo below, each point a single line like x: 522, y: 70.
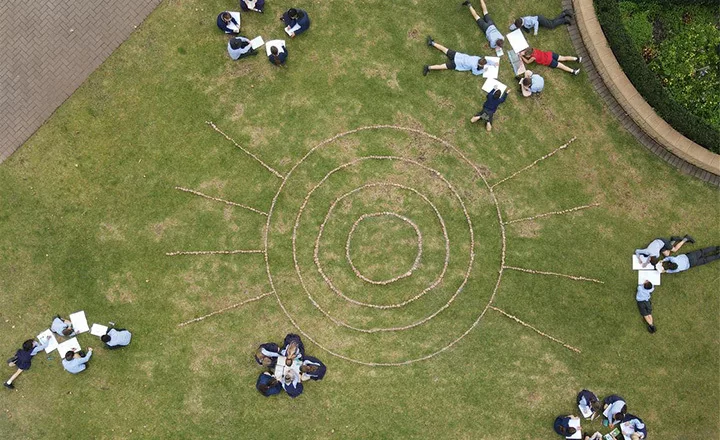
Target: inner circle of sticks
x: 316, y: 255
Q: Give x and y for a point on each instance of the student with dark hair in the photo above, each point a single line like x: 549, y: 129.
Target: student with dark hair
x: 492, y: 102
x: 661, y: 246
x: 296, y: 21
x: 684, y: 262
x: 252, y: 5
x: 312, y: 369
x: 291, y: 383
x: 633, y: 427
x: 116, y: 338
x: 229, y: 22
x: 562, y: 426
x: 240, y: 47
x: 457, y: 60
x: 62, y: 327
x: 615, y: 409
x: 267, y: 354
x: 588, y: 402
x: 535, y: 21
x: 23, y: 359
x: 486, y: 25
x: 293, y: 347
x: 644, y: 291
x: 549, y: 58
x: 277, y: 52
x: 531, y: 84
x: 268, y: 385
x: 75, y: 362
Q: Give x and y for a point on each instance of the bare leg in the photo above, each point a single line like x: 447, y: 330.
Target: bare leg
x: 440, y: 47
x: 484, y: 7
x: 648, y: 319
x: 475, y: 15
x: 14, y: 376
x: 488, y: 126
x: 474, y: 119
x: 678, y: 245
x: 562, y: 66
x: 567, y: 58
x: 438, y: 67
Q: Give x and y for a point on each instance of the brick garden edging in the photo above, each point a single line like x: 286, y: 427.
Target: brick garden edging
x: 624, y: 101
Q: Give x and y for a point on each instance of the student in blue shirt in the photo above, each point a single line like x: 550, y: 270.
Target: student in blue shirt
x: 240, y: 47
x: 268, y: 385
x: 267, y: 354
x: 76, y: 362
x: 486, y: 25
x: 227, y: 23
x: 116, y: 338
x: 296, y: 21
x: 531, y: 84
x: 62, y: 327
x: 644, y: 291
x: 684, y: 262
x: 457, y: 60
x: 615, y: 409
x: 23, y: 359
x: 534, y: 21
x: 493, y: 100
x: 661, y: 246
x: 633, y: 427
x: 587, y: 401
x: 292, y: 384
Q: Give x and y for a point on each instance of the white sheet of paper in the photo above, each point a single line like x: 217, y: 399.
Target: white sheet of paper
x: 98, y: 329
x: 274, y: 43
x: 517, y: 40
x: 236, y: 16
x: 492, y: 68
x: 79, y: 322
x: 575, y: 423
x: 499, y: 51
x: 651, y: 275
x: 492, y: 83
x: 52, y: 344
x: 257, y: 42
x: 69, y: 345
x: 585, y: 410
x: 636, y: 265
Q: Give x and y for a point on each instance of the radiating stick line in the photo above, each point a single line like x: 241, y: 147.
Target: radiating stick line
x: 539, y: 272
x: 561, y: 147
x: 547, y: 214
x: 224, y: 309
x: 227, y: 202
x: 268, y: 167
x: 238, y: 251
x: 569, y: 347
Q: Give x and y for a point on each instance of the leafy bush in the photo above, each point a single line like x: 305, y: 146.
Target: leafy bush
x: 647, y: 83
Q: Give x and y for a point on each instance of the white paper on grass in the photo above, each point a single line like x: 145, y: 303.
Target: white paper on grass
x: 650, y: 275
x: 69, y: 345
x: 585, y: 410
x: 233, y: 27
x: 79, y: 322
x: 52, y: 343
x: 517, y: 40
x: 280, y: 44
x: 98, y: 330
x: 575, y: 423
x: 492, y: 83
x: 492, y: 68
x: 257, y: 42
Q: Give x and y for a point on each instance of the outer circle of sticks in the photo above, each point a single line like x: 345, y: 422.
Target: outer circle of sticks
x: 409, y: 272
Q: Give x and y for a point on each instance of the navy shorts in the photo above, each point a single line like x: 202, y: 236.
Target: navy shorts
x: 554, y: 62
x: 451, y: 56
x: 484, y: 22
x: 645, y: 308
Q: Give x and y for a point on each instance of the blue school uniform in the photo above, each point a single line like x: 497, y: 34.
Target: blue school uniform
x: 562, y: 425
x: 636, y: 424
x: 265, y: 379
x: 293, y: 338
x: 320, y: 372
x: 303, y: 21
x: 270, y: 350
x: 224, y: 26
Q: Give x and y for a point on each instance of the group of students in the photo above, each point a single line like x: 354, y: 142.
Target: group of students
x: 529, y: 83
x: 651, y: 256
x: 299, y: 367
x: 614, y: 411
x: 296, y: 22
x: 74, y: 361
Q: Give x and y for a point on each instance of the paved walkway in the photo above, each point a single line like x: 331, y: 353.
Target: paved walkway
x: 47, y: 49
x: 626, y: 120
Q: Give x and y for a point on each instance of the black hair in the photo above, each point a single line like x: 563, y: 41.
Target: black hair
x: 238, y: 43
x: 482, y: 61
x: 67, y: 331
x: 499, y: 43
x: 226, y: 16
x: 669, y: 265
x: 28, y: 345
x: 527, y: 82
x: 293, y: 13
x: 274, y: 56
x: 69, y: 355
x: 105, y: 338
x: 518, y: 23
x: 497, y: 94
x: 653, y: 261
x: 647, y: 285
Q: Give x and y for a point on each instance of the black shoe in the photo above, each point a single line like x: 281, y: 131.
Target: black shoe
x: 466, y: 3
x: 426, y: 69
x: 651, y: 328
x: 9, y: 386
x: 675, y: 239
x: 568, y: 13
x: 430, y: 41
x: 689, y: 239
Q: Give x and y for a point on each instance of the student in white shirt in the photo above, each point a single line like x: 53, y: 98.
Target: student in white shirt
x: 458, y: 61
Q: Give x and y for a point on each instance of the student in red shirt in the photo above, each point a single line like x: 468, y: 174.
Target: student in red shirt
x: 549, y: 58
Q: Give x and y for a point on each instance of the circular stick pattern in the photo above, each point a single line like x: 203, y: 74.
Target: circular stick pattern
x: 415, y: 264
x: 406, y: 130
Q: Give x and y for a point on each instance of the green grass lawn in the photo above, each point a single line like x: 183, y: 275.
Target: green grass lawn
x: 88, y: 210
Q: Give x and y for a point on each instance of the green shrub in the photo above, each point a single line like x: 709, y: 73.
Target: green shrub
x: 647, y: 83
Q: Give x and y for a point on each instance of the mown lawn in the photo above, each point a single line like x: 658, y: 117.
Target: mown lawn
x: 88, y: 210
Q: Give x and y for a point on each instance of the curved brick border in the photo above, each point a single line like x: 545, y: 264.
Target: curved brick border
x: 636, y: 115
